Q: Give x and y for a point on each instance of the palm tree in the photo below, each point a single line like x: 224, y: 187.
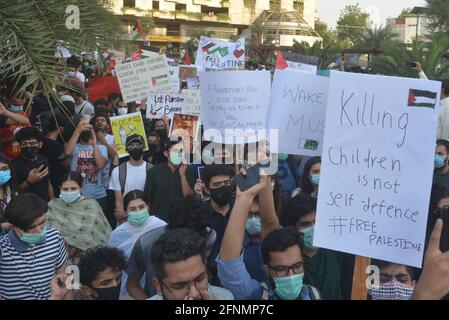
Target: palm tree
x: 375, y: 38
x: 326, y: 55
x: 430, y: 54
x: 30, y: 31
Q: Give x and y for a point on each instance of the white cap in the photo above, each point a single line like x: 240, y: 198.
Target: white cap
x: 67, y: 98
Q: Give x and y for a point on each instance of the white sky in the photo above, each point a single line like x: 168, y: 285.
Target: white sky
x: 329, y: 10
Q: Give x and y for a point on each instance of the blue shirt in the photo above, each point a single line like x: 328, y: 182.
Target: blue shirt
x: 252, y: 257
x: 286, y: 179
x: 234, y: 277
x: 83, y: 161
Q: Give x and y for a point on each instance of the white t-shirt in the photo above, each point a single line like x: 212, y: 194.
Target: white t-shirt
x: 76, y: 74
x: 88, y: 108
x: 135, y: 178
x: 106, y: 177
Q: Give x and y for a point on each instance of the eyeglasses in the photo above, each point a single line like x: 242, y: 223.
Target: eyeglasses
x: 134, y: 147
x: 183, y: 288
x: 31, y: 144
x: 283, y: 271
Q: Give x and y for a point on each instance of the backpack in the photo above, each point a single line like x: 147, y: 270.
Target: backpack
x: 122, y: 168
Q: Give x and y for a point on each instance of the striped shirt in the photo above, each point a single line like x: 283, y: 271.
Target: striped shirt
x: 25, y: 270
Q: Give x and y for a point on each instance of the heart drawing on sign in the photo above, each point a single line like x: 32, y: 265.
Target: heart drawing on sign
x: 239, y: 53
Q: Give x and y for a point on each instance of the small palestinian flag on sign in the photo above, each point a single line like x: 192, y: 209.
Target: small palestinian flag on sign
x: 422, y: 98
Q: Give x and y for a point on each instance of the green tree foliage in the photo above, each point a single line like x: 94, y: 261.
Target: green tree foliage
x: 327, y: 34
x: 439, y: 14
x: 351, y: 23
x: 430, y: 54
x: 32, y: 29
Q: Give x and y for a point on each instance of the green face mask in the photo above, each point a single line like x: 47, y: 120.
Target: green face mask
x: 138, y: 218
x: 282, y: 157
x: 308, y: 238
x: 34, y: 238
x: 176, y: 158
x: 289, y: 288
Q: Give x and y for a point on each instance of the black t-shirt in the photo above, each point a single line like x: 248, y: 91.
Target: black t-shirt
x: 22, y: 167
x: 54, y: 152
x: 3, y: 123
x: 156, y: 158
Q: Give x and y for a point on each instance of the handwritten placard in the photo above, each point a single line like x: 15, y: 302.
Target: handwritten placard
x: 137, y: 78
x: 219, y: 54
x: 165, y: 104
x: 193, y: 102
x: 174, y: 75
x: 297, y: 110
x: 377, y: 166
x: 235, y: 100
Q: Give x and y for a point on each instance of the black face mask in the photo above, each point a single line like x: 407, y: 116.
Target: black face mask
x: 112, y: 293
x: 152, y: 147
x: 221, y: 196
x: 162, y: 133
x: 85, y: 136
x: 29, y: 152
x: 135, y: 153
x: 104, y: 130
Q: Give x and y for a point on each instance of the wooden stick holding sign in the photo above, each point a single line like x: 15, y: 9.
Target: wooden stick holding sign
x: 359, y: 283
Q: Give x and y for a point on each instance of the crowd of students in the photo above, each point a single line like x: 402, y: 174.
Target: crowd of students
x: 149, y: 227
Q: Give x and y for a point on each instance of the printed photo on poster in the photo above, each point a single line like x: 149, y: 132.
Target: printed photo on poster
x: 185, y: 126
x: 124, y: 126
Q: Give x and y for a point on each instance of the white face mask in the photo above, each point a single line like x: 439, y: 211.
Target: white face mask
x: 122, y: 111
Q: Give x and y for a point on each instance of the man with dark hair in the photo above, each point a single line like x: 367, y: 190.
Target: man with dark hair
x: 129, y: 175
x: 188, y: 212
x: 113, y: 100
x: 441, y: 173
x: 322, y: 267
x: 30, y: 253
x: 169, y: 181
x: 154, y: 155
x: 217, y: 184
x: 396, y: 282
x: 282, y: 253
x: 32, y: 169
x: 180, y: 268
x: 443, y: 117
x: 59, y: 164
x: 100, y: 274
x: 82, y: 106
x: 100, y: 106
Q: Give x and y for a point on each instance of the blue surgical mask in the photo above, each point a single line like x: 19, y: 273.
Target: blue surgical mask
x: 282, y: 157
x: 5, y: 176
x: 176, y: 158
x: 70, y: 197
x: 316, y: 179
x: 138, y: 218
x: 440, y: 161
x: 289, y: 288
x: 253, y: 226
x: 34, y: 238
x: 15, y: 109
x: 308, y: 238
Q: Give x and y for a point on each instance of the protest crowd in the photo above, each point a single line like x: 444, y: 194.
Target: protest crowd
x: 94, y: 209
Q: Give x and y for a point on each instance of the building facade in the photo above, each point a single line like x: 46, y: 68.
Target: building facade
x: 411, y: 26
x: 177, y: 21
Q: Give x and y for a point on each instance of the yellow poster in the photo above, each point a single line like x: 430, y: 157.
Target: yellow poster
x: 124, y: 126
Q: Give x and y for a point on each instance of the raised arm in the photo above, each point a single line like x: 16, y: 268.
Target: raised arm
x: 268, y: 217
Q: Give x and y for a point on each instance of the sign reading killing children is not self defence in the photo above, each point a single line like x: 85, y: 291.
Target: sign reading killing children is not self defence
x: 377, y: 165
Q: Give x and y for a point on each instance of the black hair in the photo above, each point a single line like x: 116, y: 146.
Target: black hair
x: 307, y: 186
x: 73, y: 176
x: 445, y: 86
x: 29, y: 133
x: 73, y: 62
x: 100, y: 115
x: 113, y: 96
x: 381, y: 264
x: 69, y: 107
x: 444, y: 143
x: 100, y: 101
x: 133, y: 195
x: 214, y: 170
x: 24, y: 209
x: 279, y: 241
x: 174, y: 246
x: 188, y: 212
x: 12, y: 183
x: 296, y: 208
x: 96, y: 260
x: 152, y: 134
x: 170, y: 144
x: 57, y: 120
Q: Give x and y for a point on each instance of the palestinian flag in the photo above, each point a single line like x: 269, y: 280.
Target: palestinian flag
x: 422, y: 98
x: 280, y: 63
x: 137, y: 31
